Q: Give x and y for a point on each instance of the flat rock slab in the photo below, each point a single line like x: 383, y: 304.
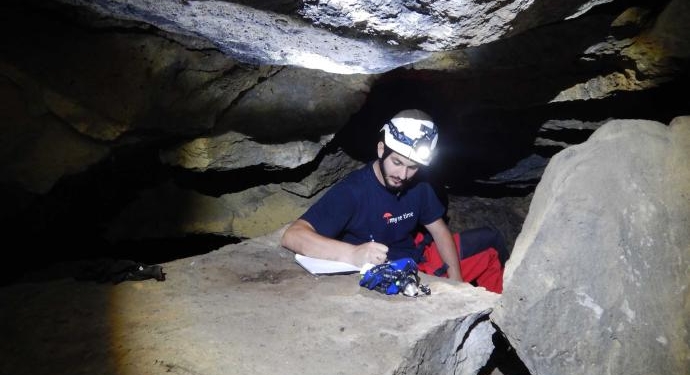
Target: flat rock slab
x: 242, y: 309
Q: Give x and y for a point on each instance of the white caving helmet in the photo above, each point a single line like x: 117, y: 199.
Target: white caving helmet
x: 412, y: 134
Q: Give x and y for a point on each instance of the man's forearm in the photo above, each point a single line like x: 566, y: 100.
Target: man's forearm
x: 450, y: 257
x: 301, y: 238
x: 446, y: 248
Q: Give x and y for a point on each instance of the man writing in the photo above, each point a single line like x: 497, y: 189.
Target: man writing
x: 374, y: 214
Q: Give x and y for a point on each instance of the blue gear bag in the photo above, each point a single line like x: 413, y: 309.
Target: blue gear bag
x: 394, y: 277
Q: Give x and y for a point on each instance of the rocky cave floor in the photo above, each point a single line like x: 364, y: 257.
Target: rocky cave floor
x: 503, y: 361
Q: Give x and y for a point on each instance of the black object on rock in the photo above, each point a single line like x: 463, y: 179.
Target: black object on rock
x: 117, y: 271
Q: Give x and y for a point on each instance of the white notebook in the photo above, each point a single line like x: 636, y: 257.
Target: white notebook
x: 317, y: 266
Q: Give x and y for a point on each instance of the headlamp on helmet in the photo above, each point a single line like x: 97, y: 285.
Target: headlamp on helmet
x: 412, y: 134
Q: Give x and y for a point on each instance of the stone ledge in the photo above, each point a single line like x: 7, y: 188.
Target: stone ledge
x: 242, y: 309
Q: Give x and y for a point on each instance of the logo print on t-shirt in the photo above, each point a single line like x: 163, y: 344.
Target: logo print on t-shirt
x: 390, y: 219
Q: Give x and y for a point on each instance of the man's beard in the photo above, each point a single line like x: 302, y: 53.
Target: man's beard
x: 392, y: 188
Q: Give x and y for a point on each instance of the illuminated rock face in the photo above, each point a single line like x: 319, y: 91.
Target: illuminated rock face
x: 368, y: 37
x: 602, y: 261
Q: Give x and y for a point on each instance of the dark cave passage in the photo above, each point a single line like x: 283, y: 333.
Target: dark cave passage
x: 478, y: 143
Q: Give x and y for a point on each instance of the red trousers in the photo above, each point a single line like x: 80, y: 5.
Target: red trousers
x: 482, y: 269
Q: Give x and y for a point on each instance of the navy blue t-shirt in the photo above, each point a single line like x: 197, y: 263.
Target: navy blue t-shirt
x: 359, y: 208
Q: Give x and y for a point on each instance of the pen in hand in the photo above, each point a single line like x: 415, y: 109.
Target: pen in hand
x: 371, y: 239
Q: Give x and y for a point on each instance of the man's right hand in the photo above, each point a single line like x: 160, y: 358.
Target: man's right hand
x: 370, y: 252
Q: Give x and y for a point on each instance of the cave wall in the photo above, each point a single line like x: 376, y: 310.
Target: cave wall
x: 121, y: 126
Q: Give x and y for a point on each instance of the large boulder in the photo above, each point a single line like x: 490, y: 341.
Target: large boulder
x: 598, y: 279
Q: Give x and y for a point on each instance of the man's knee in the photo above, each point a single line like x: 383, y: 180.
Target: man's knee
x: 476, y: 240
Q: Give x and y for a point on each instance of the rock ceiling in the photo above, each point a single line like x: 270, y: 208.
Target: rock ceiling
x: 363, y: 36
